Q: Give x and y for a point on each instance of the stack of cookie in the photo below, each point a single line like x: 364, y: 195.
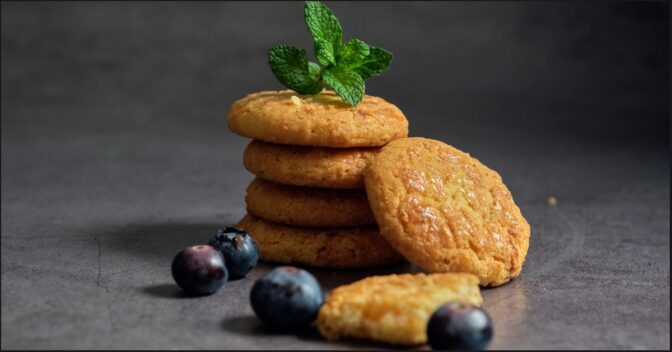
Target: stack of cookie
x: 308, y: 204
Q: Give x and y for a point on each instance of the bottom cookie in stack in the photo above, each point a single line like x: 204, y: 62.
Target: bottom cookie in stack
x: 336, y: 248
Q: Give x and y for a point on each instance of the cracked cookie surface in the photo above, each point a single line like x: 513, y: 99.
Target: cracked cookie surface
x: 287, y: 117
x: 336, y: 248
x: 445, y: 211
x: 393, y: 308
x: 309, y: 166
x: 308, y: 206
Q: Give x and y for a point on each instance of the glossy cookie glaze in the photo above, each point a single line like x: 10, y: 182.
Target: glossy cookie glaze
x: 445, y: 211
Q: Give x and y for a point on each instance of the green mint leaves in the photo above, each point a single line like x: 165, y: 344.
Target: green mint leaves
x: 345, y: 66
x: 291, y: 67
x: 347, y: 84
x: 323, y: 26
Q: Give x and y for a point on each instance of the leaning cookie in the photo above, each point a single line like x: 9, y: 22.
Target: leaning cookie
x: 308, y: 166
x: 323, y: 119
x: 308, y: 206
x: 445, y: 211
x: 336, y: 248
x: 394, y: 309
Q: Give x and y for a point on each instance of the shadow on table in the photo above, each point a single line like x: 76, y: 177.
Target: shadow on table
x: 171, y: 291
x: 158, y: 242
x: 251, y: 326
x: 330, y: 278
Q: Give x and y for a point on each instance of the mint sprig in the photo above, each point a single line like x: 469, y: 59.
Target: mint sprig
x: 345, y: 66
x: 291, y: 67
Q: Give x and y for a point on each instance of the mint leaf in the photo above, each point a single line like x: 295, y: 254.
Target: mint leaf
x: 373, y: 64
x: 322, y: 24
x: 352, y: 52
x: 348, y: 84
x: 344, y: 66
x: 324, y: 52
x: 314, y: 70
x: 290, y: 67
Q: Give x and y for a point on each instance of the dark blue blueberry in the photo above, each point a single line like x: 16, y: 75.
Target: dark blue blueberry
x: 199, y: 270
x: 239, y: 250
x: 287, y: 297
x: 458, y: 326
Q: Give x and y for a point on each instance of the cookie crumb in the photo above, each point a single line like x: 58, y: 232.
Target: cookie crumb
x: 552, y: 201
x: 296, y: 100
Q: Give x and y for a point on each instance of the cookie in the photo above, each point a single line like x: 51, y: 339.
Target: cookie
x: 324, y: 120
x: 445, y: 211
x: 395, y: 308
x: 307, y: 206
x: 308, y: 166
x: 336, y: 248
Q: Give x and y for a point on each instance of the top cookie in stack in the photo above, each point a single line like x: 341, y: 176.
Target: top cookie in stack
x: 309, y: 152
x: 321, y: 120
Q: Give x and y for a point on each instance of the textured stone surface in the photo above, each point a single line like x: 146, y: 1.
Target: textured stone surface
x: 115, y: 155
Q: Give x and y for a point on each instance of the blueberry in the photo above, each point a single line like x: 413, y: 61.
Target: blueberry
x: 239, y: 249
x: 199, y: 270
x: 459, y: 326
x: 286, y: 297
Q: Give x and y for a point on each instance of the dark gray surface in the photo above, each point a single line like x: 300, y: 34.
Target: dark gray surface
x: 115, y: 155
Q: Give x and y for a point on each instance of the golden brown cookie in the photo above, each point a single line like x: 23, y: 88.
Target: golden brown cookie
x: 287, y: 117
x: 393, y: 308
x: 308, y: 166
x: 308, y: 206
x: 336, y: 248
x: 445, y: 211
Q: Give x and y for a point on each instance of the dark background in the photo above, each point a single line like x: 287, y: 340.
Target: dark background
x: 115, y: 154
